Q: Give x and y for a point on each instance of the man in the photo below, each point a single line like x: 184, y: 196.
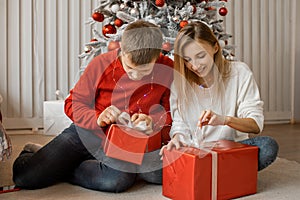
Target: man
x: 134, y: 79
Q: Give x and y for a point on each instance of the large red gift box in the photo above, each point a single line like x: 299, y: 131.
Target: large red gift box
x: 129, y: 145
x: 228, y: 171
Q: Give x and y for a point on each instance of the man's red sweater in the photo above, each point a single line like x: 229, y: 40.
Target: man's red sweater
x: 104, y: 83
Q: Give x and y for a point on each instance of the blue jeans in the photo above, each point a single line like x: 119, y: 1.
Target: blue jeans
x: 76, y: 156
x: 267, y: 150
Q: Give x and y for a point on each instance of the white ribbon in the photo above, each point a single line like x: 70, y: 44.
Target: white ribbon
x: 124, y: 119
x: 214, y: 173
x: 198, y: 141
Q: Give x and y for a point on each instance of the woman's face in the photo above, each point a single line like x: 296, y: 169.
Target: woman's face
x: 199, y: 58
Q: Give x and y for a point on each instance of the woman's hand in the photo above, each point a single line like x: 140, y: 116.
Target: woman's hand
x: 174, y: 142
x: 108, y: 116
x: 208, y: 117
x: 246, y: 125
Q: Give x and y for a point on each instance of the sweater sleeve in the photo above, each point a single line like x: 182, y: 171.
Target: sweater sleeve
x: 162, y: 117
x: 178, y: 124
x: 249, y: 102
x: 80, y: 104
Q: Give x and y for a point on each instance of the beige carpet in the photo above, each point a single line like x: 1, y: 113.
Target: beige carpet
x: 279, y: 181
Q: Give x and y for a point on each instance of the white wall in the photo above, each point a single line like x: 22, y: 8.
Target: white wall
x: 297, y: 67
x: 41, y: 40
x: 40, y: 44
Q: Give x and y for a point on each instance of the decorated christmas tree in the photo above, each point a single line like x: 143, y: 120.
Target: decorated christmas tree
x: 170, y: 15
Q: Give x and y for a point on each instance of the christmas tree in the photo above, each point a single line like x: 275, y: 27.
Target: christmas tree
x: 170, y: 15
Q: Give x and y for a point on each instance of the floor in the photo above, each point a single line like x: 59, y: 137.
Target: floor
x: 274, y: 184
x: 288, y: 138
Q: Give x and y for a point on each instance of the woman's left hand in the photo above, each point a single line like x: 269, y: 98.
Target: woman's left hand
x: 208, y: 117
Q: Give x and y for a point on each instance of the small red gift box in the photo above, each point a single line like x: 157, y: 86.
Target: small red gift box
x: 228, y: 171
x: 127, y: 144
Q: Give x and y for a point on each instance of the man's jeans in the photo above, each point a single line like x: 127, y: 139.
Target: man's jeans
x: 68, y: 158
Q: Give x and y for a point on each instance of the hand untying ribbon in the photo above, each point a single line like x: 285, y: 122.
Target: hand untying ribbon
x: 124, y: 119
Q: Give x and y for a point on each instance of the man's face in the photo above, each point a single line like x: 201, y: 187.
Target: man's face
x: 136, y: 72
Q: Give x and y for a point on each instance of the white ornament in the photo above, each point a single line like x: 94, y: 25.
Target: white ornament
x: 152, y: 21
x: 222, y: 43
x: 122, y: 6
x: 176, y: 18
x: 134, y: 12
x: 115, y: 8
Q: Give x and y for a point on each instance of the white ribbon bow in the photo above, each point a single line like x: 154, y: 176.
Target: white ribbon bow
x: 124, y: 119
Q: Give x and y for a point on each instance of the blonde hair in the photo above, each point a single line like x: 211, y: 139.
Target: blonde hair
x: 200, y: 32
x: 143, y: 41
x: 187, y: 79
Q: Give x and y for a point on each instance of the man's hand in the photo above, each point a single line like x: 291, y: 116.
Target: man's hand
x: 138, y: 119
x: 108, y: 116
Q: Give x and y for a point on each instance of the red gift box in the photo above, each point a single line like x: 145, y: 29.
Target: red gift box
x: 228, y: 171
x: 127, y: 144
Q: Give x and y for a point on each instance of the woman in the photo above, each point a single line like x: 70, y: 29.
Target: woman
x: 213, y: 98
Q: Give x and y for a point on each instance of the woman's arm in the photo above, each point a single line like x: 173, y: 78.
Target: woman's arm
x: 247, y: 125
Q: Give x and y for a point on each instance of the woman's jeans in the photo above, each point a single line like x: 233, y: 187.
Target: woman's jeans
x: 76, y: 156
x: 267, y: 150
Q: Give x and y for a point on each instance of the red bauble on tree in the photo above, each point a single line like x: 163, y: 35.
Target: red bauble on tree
x: 160, y: 3
x: 87, y: 49
x: 166, y: 46
x: 118, y: 22
x: 223, y: 11
x: 194, y: 9
x: 183, y: 23
x: 99, y: 17
x: 94, y: 40
x: 109, y: 29
x: 210, y: 8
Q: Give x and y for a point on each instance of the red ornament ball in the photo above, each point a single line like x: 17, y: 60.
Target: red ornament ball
x: 183, y: 23
x: 94, y: 40
x: 210, y: 8
x: 194, y: 9
x: 108, y: 29
x: 87, y: 49
x: 113, y: 45
x: 118, y: 22
x: 166, y: 46
x: 223, y: 11
x: 160, y: 3
x: 99, y: 17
